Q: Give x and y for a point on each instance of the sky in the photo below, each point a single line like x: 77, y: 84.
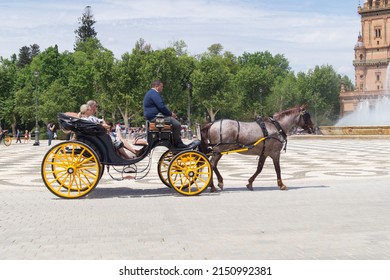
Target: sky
x: 307, y: 32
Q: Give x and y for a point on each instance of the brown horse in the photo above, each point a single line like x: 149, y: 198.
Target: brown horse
x: 264, y: 138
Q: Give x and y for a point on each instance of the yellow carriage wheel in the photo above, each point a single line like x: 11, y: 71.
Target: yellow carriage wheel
x: 71, y: 169
x: 190, y: 173
x: 57, y: 171
x: 162, y: 167
x: 7, y: 140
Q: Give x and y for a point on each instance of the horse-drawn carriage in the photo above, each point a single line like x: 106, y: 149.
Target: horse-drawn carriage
x: 72, y: 169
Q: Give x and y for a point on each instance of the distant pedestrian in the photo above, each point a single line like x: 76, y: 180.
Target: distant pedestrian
x: 50, y: 132
x: 26, y: 136
x: 18, y: 136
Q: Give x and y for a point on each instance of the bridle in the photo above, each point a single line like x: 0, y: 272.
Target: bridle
x: 306, y: 119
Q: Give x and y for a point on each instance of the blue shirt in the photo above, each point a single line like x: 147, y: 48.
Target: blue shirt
x: 154, y: 104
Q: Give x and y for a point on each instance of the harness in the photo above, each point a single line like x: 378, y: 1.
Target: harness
x: 260, y: 121
x: 280, y: 131
x: 244, y: 148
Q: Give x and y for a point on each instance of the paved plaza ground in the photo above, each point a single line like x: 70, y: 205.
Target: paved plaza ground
x: 336, y: 207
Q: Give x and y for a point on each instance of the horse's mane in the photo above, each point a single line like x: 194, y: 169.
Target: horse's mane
x: 286, y: 113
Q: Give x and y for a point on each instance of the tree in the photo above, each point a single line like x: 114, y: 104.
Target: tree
x: 24, y: 57
x: 212, y: 81
x: 86, y: 29
x: 215, y: 49
x: 180, y: 47
x: 258, y: 74
x: 26, y: 54
x: 141, y: 45
x: 8, y: 77
x: 285, y: 94
x: 35, y: 50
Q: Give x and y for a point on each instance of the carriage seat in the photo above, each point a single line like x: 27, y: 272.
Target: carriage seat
x: 68, y: 122
x: 152, y: 127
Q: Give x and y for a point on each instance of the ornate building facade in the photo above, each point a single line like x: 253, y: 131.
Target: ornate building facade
x: 372, y: 56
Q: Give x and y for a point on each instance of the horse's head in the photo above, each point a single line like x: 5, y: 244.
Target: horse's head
x: 305, y: 120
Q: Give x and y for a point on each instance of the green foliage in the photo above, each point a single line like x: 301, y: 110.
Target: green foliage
x: 222, y: 85
x: 213, y: 80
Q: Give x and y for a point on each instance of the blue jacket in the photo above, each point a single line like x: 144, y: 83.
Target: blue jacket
x: 154, y: 104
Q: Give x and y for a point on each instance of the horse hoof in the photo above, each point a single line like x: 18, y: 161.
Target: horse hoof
x: 213, y: 189
x: 283, y: 188
x: 220, y: 185
x: 249, y: 187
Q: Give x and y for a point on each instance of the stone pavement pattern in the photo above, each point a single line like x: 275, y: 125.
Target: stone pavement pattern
x: 336, y: 207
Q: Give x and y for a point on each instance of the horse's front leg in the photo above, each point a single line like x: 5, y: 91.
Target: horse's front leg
x: 260, y: 165
x: 214, y: 162
x: 276, y: 161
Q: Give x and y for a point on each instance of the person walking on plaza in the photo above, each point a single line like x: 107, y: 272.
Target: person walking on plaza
x: 18, y: 136
x: 50, y: 132
x: 154, y: 104
x: 26, y: 136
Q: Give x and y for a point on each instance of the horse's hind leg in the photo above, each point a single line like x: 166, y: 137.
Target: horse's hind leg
x: 276, y: 161
x: 260, y: 165
x: 214, y: 161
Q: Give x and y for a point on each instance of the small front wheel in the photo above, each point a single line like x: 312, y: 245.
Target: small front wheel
x: 162, y: 167
x: 71, y: 169
x: 190, y: 173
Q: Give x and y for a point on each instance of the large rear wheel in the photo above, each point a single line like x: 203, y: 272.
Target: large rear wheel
x: 190, y: 173
x: 71, y: 169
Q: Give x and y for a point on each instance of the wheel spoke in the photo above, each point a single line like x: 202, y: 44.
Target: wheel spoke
x: 190, y: 172
x: 71, y: 169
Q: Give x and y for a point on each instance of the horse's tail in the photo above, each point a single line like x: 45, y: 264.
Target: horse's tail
x: 204, y: 137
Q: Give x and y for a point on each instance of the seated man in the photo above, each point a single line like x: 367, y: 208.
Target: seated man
x: 154, y: 104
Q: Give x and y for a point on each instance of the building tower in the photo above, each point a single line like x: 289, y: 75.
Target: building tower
x: 372, y: 56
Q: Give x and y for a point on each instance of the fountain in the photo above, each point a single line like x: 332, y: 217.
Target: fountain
x: 366, y: 120
x: 372, y: 117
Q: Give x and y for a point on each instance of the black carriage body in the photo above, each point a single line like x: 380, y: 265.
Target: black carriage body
x: 72, y: 169
x: 95, y: 136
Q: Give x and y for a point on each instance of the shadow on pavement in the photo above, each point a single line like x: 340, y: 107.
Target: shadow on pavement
x: 273, y: 188
x: 101, y: 193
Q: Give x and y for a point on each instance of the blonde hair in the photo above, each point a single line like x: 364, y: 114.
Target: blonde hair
x: 83, y: 109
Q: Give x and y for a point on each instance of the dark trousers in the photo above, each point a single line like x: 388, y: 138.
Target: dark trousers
x: 50, y: 137
x: 176, y: 129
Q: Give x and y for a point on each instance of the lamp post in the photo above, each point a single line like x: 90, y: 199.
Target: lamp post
x: 261, y: 101
x: 315, y: 112
x: 189, y: 86
x: 36, y: 143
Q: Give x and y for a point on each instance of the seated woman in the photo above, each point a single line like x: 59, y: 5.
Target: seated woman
x: 119, y: 143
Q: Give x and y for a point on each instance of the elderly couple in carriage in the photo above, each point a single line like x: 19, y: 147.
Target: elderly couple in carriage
x: 153, y: 105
